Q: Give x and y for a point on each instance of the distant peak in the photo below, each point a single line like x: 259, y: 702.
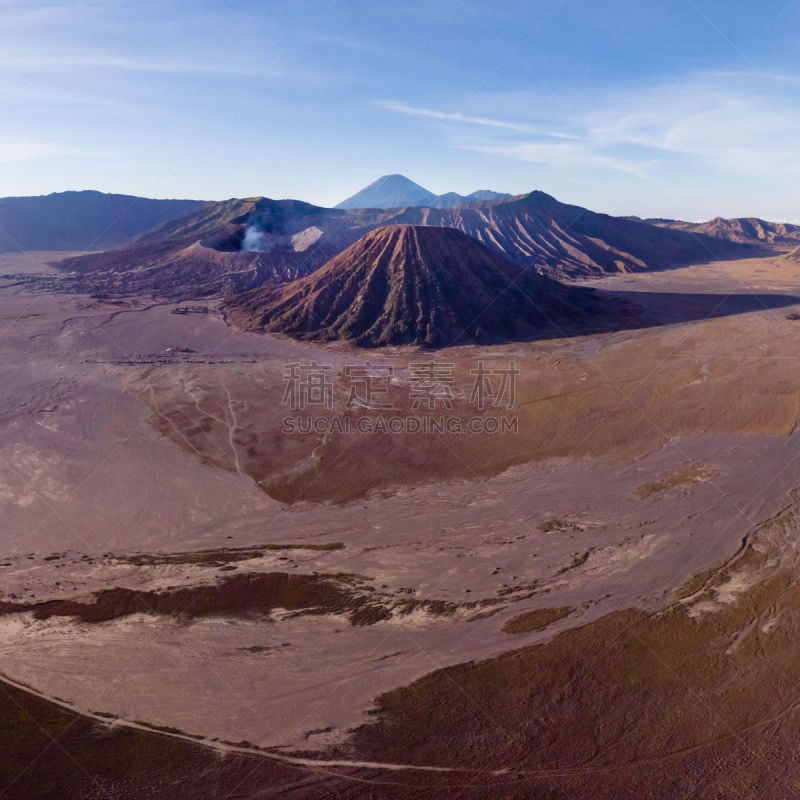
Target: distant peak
x: 396, y: 176
x: 398, y: 191
x: 390, y: 191
x: 537, y: 194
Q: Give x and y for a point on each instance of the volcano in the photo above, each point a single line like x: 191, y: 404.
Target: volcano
x: 244, y: 245
x: 410, y: 284
x: 390, y: 191
x: 397, y: 191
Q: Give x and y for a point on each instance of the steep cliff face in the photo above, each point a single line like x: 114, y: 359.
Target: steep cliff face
x: 405, y: 284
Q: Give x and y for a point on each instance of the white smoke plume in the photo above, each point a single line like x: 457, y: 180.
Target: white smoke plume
x: 253, y: 240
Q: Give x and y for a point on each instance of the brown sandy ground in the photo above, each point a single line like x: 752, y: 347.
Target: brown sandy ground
x: 33, y: 261
x: 49, y: 753
x: 698, y: 700
x: 536, y: 620
x: 612, y: 397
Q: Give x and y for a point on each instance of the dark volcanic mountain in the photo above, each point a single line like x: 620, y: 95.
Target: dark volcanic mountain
x: 243, y: 244
x: 82, y: 220
x: 569, y: 241
x: 745, y: 230
x: 235, y: 244
x: 397, y: 191
x: 406, y: 284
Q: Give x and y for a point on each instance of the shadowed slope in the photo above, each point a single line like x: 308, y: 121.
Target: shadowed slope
x: 405, y: 284
x: 86, y: 220
x: 230, y: 244
x: 744, y: 230
x: 566, y: 240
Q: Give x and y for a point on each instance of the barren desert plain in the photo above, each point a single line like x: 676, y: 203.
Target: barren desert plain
x: 600, y: 603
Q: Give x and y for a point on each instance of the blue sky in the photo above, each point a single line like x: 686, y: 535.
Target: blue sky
x: 681, y: 108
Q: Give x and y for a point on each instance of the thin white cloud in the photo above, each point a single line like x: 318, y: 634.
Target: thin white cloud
x: 466, y: 119
x: 13, y: 149
x: 21, y: 16
x: 131, y: 64
x: 557, y: 154
x: 735, y: 124
x: 740, y: 128
x: 759, y: 77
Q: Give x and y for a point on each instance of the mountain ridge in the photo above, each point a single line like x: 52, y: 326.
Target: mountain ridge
x: 82, y: 220
x: 397, y: 191
x: 743, y: 230
x: 241, y: 244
